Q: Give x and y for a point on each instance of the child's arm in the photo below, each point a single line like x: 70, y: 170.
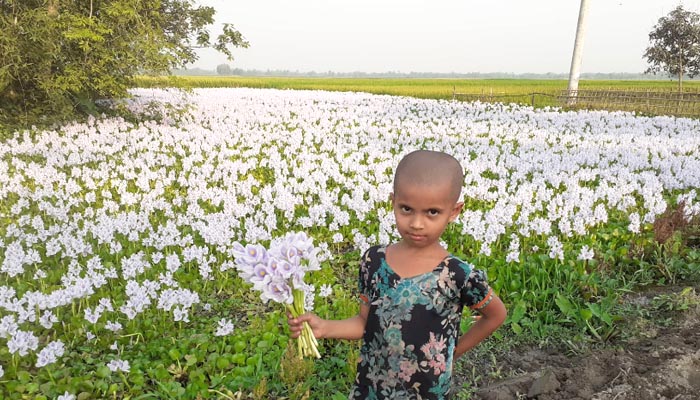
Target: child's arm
x: 492, y: 316
x: 350, y: 328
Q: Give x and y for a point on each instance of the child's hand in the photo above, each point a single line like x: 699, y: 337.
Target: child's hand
x: 313, y: 320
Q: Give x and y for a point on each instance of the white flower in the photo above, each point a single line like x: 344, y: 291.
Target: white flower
x: 114, y: 346
x: 325, y: 290
x: 586, y: 253
x: 113, y: 326
x: 48, y: 319
x: 90, y: 335
x: 485, y: 249
x: 634, y: 225
x: 513, y: 256
x: 309, y: 297
x: 277, y: 289
x: 225, y: 328
x: 66, y: 396
x: 556, y: 248
x: 118, y: 365
x: 22, y: 342
x: 50, y: 353
x: 92, y: 315
x: 2, y: 371
x: 180, y: 314
x: 39, y: 274
x: 8, y: 326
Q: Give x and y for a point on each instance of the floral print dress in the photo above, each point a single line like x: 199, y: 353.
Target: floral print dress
x: 413, y: 326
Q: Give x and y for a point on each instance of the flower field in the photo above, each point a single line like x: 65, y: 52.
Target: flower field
x: 118, y: 272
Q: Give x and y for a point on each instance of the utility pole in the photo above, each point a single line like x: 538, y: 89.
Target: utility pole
x: 576, y: 58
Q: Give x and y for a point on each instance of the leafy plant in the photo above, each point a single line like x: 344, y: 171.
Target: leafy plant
x: 59, y: 58
x: 674, y: 45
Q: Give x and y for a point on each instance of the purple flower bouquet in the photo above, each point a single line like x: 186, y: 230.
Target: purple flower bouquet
x: 278, y: 274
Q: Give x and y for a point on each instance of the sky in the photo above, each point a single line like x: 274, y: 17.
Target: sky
x: 441, y: 36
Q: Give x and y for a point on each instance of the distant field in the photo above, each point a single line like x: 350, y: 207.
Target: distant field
x: 516, y: 90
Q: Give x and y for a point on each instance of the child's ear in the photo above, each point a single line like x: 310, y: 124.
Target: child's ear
x: 456, y: 210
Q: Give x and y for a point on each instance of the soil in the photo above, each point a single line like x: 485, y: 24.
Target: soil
x: 655, y: 356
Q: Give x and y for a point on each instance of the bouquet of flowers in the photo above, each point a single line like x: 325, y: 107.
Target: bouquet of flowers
x: 278, y: 274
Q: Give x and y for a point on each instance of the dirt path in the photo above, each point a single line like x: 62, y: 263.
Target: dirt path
x: 658, y: 357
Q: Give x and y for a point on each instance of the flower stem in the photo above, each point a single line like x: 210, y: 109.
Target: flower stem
x: 307, y: 345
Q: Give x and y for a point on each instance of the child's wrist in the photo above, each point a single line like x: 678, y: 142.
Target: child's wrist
x: 322, y: 328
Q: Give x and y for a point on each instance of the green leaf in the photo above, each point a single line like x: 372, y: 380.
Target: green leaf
x: 516, y: 328
x: 565, y: 305
x: 24, y: 376
x: 586, y: 314
x: 103, y: 371
x: 222, y: 363
x: 518, y: 312
x: 239, y: 346
x: 174, y: 354
x: 191, y: 359
x: 596, y: 310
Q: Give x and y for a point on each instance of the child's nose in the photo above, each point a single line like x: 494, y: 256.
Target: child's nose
x: 416, y: 222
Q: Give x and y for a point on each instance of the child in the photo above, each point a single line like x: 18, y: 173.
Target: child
x: 412, y: 292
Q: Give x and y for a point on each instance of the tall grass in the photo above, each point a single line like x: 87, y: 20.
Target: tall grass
x: 421, y: 88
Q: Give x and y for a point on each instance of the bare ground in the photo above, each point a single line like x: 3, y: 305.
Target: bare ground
x: 656, y: 357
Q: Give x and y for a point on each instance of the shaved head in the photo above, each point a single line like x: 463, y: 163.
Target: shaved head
x: 430, y: 168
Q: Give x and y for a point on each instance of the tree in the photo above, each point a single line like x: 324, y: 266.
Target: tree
x: 575, y: 71
x: 223, y: 69
x: 674, y: 45
x: 59, y: 56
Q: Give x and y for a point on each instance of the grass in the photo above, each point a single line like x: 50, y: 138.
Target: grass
x: 519, y: 89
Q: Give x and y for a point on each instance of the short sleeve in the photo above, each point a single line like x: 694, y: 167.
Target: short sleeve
x: 364, y: 277
x: 476, y: 292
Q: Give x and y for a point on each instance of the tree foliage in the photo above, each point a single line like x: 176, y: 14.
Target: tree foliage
x: 224, y: 69
x: 674, y: 45
x: 59, y: 56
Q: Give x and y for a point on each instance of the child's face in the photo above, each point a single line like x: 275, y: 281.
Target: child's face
x: 423, y: 212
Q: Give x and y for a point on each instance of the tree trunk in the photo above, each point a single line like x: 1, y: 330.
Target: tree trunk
x: 576, y: 58
x: 680, y: 74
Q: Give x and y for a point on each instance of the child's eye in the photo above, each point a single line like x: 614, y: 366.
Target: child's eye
x: 405, y: 209
x: 433, y: 213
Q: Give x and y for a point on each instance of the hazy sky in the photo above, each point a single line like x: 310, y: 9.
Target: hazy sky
x: 437, y: 35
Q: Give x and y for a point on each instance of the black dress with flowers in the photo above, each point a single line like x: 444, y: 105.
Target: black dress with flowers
x: 413, y: 326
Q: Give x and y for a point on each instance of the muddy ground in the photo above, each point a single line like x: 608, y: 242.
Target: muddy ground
x: 655, y: 356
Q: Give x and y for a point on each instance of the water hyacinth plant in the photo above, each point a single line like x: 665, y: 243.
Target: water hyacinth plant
x: 278, y: 274
x: 120, y: 231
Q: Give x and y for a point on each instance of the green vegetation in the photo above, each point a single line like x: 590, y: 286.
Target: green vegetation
x: 537, y: 92
x: 59, y: 58
x: 421, y: 88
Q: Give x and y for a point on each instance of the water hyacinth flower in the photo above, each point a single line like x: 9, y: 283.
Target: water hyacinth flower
x: 325, y: 290
x: 118, y: 365
x: 225, y: 328
x: 278, y: 274
x: 22, y: 342
x: 50, y: 353
x: 586, y: 253
x: 66, y: 396
x: 8, y: 326
x: 113, y: 326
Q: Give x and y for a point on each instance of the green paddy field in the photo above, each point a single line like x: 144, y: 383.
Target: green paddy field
x: 506, y: 90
